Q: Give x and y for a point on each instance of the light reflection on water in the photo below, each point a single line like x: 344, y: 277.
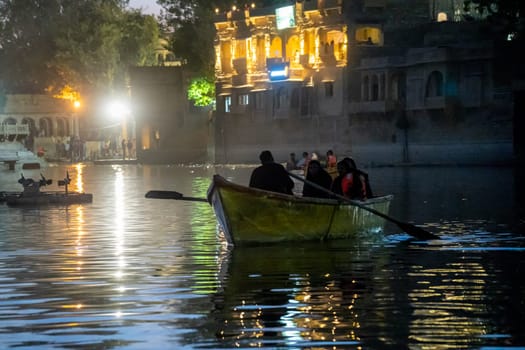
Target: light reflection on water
x: 130, y: 272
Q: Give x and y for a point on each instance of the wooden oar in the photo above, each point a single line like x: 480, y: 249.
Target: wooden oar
x: 173, y: 195
x: 412, y: 230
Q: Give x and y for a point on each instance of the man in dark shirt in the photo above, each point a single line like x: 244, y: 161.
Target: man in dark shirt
x: 271, y: 176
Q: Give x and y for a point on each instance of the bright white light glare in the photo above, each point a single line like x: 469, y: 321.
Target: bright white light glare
x: 118, y: 110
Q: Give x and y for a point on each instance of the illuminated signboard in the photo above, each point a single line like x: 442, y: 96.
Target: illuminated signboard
x: 279, y: 71
x: 285, y: 17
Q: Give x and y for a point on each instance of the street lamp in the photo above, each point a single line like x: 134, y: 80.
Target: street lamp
x: 120, y: 112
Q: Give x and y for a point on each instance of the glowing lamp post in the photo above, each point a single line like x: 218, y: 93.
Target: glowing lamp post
x: 120, y: 112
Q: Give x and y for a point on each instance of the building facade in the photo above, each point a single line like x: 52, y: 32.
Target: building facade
x: 277, y: 66
x: 166, y: 127
x: 385, y: 81
x: 39, y: 121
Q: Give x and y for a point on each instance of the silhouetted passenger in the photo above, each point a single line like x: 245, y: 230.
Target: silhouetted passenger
x: 319, y: 176
x: 271, y: 176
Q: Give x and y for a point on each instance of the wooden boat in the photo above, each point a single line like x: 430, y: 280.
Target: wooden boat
x: 248, y: 215
x: 33, y: 196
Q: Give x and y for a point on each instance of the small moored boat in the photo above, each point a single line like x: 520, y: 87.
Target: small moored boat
x: 33, y: 196
x: 49, y: 197
x: 248, y: 215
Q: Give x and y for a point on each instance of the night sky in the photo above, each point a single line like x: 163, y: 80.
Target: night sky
x: 147, y: 6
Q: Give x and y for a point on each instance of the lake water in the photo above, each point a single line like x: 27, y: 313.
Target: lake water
x: 125, y: 272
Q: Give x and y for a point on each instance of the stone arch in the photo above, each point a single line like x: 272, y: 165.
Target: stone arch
x: 45, y: 127
x: 32, y: 132
x: 434, y: 86
x: 382, y: 86
x: 293, y: 48
x: 9, y: 121
x: 62, y: 127
x: 365, y: 86
x: 31, y: 124
x: 276, y: 47
x: 397, y: 87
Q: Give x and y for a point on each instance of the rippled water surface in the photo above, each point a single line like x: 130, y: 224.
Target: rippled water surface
x: 126, y: 272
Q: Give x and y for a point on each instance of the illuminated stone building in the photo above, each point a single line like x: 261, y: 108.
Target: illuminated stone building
x: 282, y: 64
x: 385, y: 81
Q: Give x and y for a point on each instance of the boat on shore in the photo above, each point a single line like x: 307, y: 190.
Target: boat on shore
x: 32, y: 196
x: 249, y: 216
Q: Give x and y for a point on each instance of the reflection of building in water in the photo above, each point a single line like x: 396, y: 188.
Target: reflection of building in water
x: 268, y: 293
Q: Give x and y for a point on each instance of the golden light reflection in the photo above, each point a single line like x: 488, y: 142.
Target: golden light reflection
x: 442, y: 303
x: 119, y: 224
x: 79, y: 178
x: 320, y: 315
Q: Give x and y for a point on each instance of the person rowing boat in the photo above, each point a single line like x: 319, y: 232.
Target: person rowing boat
x: 271, y: 176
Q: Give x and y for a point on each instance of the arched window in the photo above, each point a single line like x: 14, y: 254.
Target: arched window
x: 397, y: 87
x: 442, y: 17
x: 434, y: 87
x: 31, y: 125
x: 281, y: 98
x: 44, y: 127
x: 365, y: 88
x: 292, y: 49
x: 61, y: 127
x: 276, y: 49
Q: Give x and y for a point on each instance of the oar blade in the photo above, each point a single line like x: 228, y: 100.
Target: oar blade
x: 173, y: 195
x: 164, y: 194
x: 416, y: 231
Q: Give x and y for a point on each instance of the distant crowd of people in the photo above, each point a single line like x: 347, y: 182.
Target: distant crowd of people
x: 323, y: 180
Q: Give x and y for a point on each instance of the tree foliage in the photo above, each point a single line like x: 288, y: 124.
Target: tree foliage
x: 46, y: 45
x: 202, y: 92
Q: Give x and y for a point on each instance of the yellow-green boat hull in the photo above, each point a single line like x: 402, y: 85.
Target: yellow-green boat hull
x: 247, y: 215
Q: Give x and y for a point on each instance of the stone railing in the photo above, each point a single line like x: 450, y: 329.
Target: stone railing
x: 14, y: 129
